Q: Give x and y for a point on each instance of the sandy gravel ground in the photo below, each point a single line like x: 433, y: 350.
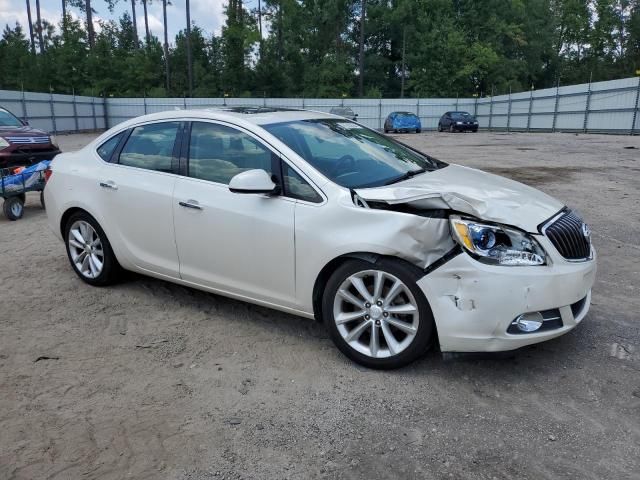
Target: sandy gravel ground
x: 149, y: 380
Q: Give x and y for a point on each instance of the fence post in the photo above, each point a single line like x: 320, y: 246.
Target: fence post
x: 53, y: 113
x: 144, y: 101
x: 457, y: 99
x: 93, y: 111
x: 585, y: 121
x: 530, y: 109
x: 418, y: 107
x: 491, y: 109
x: 104, y: 110
x: 24, y: 106
x: 380, y: 113
x: 555, y: 108
x: 184, y: 100
x: 475, y: 107
x: 635, y: 110
x: 75, y: 111
x: 509, y: 112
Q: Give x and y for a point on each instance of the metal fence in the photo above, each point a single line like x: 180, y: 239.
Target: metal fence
x: 610, y: 107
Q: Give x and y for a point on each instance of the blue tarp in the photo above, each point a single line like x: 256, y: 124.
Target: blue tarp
x: 25, y: 179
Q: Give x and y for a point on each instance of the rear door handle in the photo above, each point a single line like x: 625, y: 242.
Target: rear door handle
x: 190, y: 204
x: 109, y: 184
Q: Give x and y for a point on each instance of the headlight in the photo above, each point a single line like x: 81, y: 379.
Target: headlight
x: 495, y: 244
x: 458, y: 123
x: 3, y: 143
x: 53, y: 140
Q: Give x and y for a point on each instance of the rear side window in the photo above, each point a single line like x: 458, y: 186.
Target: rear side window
x: 107, y: 148
x: 297, y: 187
x: 151, y: 147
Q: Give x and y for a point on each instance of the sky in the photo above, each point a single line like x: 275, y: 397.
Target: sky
x: 207, y: 14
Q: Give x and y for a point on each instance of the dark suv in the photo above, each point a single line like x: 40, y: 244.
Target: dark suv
x: 22, y: 145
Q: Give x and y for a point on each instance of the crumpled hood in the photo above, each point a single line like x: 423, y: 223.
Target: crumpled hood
x: 483, y: 195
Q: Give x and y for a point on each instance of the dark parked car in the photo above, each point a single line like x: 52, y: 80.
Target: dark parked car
x: 22, y: 145
x: 458, y: 122
x: 402, y: 122
x: 345, y: 112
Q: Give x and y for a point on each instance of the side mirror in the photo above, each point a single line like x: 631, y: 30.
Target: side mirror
x: 355, y: 115
x: 25, y: 122
x: 253, y: 181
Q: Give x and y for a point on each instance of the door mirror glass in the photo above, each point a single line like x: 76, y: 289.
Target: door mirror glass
x: 252, y: 181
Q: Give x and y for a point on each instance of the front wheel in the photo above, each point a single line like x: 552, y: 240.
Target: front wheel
x: 377, y: 315
x: 439, y: 127
x: 418, y: 130
x: 89, y: 251
x: 452, y: 128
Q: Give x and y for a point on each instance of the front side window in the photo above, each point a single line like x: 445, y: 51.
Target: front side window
x: 297, y: 187
x: 7, y: 119
x: 151, y: 147
x: 107, y: 148
x: 351, y: 155
x: 218, y: 153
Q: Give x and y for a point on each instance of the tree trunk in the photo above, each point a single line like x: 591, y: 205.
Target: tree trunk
x: 135, y: 21
x: 64, y: 10
x: 39, y: 26
x: 404, y: 44
x: 166, y: 45
x: 361, y: 59
x: 146, y: 22
x: 260, y: 25
x: 33, y: 42
x: 189, y: 55
x: 90, y: 31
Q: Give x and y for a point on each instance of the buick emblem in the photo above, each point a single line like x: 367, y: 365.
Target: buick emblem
x: 585, y: 230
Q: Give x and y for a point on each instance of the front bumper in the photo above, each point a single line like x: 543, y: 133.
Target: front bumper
x: 474, y: 304
x: 26, y: 158
x: 466, y: 128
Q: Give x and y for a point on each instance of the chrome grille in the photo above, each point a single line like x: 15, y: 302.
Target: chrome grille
x: 570, y: 236
x: 27, y: 140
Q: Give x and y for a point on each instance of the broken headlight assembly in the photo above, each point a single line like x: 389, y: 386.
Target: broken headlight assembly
x: 496, y: 244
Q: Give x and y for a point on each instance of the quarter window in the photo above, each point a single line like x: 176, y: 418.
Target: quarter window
x: 297, y: 187
x: 218, y: 153
x: 151, y: 147
x: 107, y: 148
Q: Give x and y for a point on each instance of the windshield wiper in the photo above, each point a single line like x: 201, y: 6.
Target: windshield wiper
x: 406, y: 176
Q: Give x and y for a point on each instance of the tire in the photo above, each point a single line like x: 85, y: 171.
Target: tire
x: 439, y: 127
x: 452, y: 129
x: 13, y: 208
x: 418, y: 130
x: 409, y: 344
x: 110, y: 271
x: 44, y: 207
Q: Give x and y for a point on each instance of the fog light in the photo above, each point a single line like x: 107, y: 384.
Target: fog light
x: 529, y: 322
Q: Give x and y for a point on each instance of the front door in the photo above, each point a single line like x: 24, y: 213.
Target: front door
x: 233, y: 242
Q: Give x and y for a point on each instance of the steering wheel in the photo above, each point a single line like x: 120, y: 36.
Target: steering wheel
x: 344, y: 164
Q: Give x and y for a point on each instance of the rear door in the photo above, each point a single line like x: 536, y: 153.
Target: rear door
x: 136, y: 190
x: 233, y: 242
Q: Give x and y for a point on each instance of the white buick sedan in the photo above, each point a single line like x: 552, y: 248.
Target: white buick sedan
x: 318, y: 216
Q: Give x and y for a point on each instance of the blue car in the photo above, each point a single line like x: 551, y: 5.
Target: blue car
x: 402, y: 122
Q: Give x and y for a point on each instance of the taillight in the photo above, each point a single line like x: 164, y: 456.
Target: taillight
x: 47, y: 174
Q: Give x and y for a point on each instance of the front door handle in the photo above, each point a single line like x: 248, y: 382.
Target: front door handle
x: 190, y: 204
x: 109, y: 184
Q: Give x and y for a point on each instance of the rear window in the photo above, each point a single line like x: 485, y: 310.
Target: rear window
x: 107, y: 148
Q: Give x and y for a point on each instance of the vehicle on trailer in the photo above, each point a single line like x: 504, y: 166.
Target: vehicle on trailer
x: 21, y: 144
x: 458, y: 122
x: 394, y: 250
x: 346, y: 112
x: 398, y: 122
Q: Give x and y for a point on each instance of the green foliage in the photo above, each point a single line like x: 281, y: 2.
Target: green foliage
x: 311, y: 48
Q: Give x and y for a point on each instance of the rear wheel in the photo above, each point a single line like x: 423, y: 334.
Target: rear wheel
x: 42, y: 199
x: 377, y: 315
x: 13, y: 208
x: 89, y: 251
x: 418, y: 130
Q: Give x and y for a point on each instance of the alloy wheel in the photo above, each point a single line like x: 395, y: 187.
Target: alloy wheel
x: 85, y: 249
x: 375, y: 313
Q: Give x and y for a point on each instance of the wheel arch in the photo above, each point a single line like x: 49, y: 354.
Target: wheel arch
x: 331, y: 266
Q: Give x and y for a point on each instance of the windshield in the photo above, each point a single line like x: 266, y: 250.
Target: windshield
x: 8, y: 120
x: 461, y: 115
x: 351, y: 155
x: 406, y: 115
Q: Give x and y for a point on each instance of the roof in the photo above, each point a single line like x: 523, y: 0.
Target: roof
x: 254, y: 115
